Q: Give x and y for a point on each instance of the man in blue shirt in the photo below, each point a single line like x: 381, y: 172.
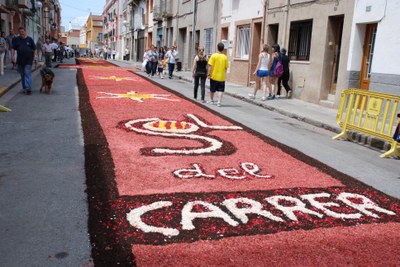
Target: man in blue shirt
x: 26, y: 54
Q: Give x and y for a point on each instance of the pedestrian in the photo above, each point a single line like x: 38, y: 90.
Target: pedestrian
x: 3, y: 50
x: 160, y: 67
x: 26, y: 55
x: 145, y: 62
x: 114, y: 53
x: 273, y: 80
x: 61, y: 52
x: 216, y: 72
x: 54, y: 45
x: 284, y: 79
x: 171, y: 55
x: 39, y: 48
x: 155, y: 62
x: 48, y: 52
x: 9, y: 40
x: 199, y: 73
x: 262, y: 73
x: 151, y: 61
x: 127, y: 54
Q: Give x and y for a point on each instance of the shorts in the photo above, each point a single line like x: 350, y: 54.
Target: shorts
x: 160, y: 69
x: 216, y: 86
x: 262, y: 73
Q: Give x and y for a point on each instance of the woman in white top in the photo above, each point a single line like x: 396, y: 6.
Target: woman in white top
x: 262, y: 73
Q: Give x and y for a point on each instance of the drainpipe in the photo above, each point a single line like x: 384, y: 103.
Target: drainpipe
x: 175, y: 43
x: 217, y: 19
x: 193, y: 31
x: 264, y: 22
x: 285, y: 22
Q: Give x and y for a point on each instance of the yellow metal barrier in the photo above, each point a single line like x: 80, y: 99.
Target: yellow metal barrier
x: 3, y: 108
x: 370, y: 113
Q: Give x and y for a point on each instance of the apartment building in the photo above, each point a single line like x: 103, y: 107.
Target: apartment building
x: 40, y: 18
x: 111, y: 22
x: 94, y: 32
x: 332, y: 44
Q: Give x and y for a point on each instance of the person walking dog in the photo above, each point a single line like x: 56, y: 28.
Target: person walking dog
x: 26, y: 55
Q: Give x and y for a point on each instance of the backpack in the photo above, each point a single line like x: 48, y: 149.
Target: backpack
x: 278, y: 71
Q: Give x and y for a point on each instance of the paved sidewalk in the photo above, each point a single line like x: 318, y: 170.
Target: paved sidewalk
x: 11, y: 77
x: 11, y: 80
x: 313, y: 114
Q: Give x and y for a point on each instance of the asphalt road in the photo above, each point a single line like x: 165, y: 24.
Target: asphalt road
x: 358, y: 161
x: 43, y: 205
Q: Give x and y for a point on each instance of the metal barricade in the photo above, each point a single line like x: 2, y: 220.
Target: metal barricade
x: 370, y: 113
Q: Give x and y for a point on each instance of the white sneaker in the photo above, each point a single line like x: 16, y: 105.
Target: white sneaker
x: 251, y: 96
x: 263, y: 98
x: 218, y: 104
x: 210, y: 102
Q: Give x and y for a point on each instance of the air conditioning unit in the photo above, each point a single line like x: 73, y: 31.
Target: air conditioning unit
x: 24, y: 3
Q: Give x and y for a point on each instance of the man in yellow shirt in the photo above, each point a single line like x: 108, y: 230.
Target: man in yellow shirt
x: 217, y: 66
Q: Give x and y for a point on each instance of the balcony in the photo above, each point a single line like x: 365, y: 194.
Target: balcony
x: 166, y: 8
x: 157, y: 14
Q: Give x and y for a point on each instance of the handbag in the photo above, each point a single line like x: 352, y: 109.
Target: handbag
x: 278, y: 71
x: 144, y: 64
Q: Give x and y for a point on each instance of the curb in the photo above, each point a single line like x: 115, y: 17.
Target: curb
x: 355, y: 137
x: 368, y: 141
x: 5, y: 89
x: 278, y: 110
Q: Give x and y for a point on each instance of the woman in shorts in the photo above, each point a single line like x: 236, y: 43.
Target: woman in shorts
x: 272, y: 79
x: 262, y: 73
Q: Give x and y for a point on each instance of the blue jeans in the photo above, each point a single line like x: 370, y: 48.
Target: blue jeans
x: 26, y: 76
x: 171, y: 67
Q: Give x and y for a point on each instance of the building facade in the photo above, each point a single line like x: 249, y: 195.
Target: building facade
x: 40, y: 18
x: 111, y: 25
x: 94, y: 32
x: 241, y: 30
x: 374, y: 42
x: 332, y: 44
x: 315, y: 35
x: 135, y: 29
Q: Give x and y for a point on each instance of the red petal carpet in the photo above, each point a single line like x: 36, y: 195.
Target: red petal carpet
x: 172, y: 183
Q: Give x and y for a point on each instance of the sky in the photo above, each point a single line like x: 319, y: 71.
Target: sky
x: 77, y: 12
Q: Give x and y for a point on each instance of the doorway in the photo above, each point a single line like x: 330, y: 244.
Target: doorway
x: 368, y: 54
x: 336, y: 24
x: 272, y: 37
x: 225, y: 36
x: 182, y: 48
x: 255, y: 51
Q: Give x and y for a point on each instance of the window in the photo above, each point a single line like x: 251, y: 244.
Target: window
x: 243, y: 42
x: 300, y: 40
x: 208, y: 41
